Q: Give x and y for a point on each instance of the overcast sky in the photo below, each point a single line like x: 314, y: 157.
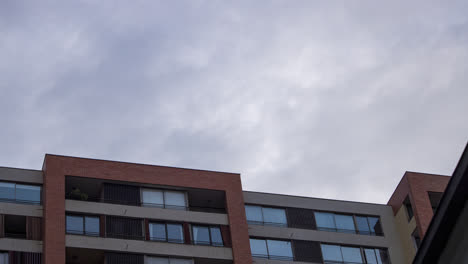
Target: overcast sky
x: 331, y: 99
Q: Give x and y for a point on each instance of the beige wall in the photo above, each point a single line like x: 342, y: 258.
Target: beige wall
x: 149, y: 247
x: 390, y: 240
x: 20, y: 245
x: 145, y: 212
x: 21, y: 175
x: 405, y: 229
x: 21, y: 209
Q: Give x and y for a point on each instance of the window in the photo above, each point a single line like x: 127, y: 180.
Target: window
x: 416, y: 238
x: 409, y: 208
x: 207, y: 235
x: 368, y: 225
x: 265, y: 215
x: 164, y: 199
x: 376, y: 256
x: 271, y: 249
x: 335, y: 222
x: 158, y: 260
x: 345, y: 254
x: 82, y: 225
x: 435, y: 198
x: 172, y: 233
x: 4, y: 258
x: 20, y: 193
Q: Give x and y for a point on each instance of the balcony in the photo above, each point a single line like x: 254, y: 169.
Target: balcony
x: 130, y: 194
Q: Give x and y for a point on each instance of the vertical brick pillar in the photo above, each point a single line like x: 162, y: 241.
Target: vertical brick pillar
x: 54, y: 212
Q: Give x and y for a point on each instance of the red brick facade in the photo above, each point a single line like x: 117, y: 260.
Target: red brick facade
x: 416, y: 186
x: 57, y: 167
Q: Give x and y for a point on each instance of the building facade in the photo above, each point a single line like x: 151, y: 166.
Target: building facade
x: 78, y: 210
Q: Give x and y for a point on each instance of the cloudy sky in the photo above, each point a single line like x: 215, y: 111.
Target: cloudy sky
x: 332, y: 99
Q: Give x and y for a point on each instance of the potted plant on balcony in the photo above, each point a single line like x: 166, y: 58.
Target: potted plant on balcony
x: 76, y: 194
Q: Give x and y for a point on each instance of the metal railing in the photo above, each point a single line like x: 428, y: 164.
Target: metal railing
x: 8, y: 200
x: 164, y: 206
x: 267, y: 223
x: 82, y: 232
x: 165, y: 239
x: 273, y: 257
x: 16, y: 235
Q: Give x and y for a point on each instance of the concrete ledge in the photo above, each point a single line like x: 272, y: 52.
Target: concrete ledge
x: 148, y: 247
x: 145, y: 212
x: 314, y: 235
x: 279, y: 200
x: 20, y: 175
x: 271, y: 261
x: 21, y: 209
x: 20, y: 245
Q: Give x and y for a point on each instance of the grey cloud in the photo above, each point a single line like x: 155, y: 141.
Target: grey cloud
x: 323, y: 99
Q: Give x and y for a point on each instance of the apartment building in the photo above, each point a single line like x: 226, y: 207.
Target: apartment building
x: 414, y: 202
x: 78, y: 210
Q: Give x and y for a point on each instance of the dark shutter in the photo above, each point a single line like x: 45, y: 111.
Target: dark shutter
x: 33, y: 228
x: 2, y: 227
x: 226, y: 234
x: 102, y: 226
x: 124, y: 228
x: 301, y: 218
x: 25, y: 257
x: 187, y: 239
x: 31, y: 258
x: 122, y: 258
x: 121, y: 194
x: 307, y: 251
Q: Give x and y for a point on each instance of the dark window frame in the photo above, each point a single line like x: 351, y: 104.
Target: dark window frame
x: 354, y: 215
x: 164, y: 205
x: 269, y: 223
x: 274, y: 257
x: 166, y: 232
x: 14, y: 200
x: 211, y: 243
x: 362, y: 252
x: 84, y: 233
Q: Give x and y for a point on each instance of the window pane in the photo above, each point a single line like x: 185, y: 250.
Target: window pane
x: 258, y: 248
x: 175, y: 234
x: 155, y: 260
x: 370, y: 256
x: 382, y: 256
x: 331, y: 253
x: 216, y: 238
x: 254, y: 213
x: 174, y: 200
x: 7, y: 191
x: 362, y: 225
x: 325, y: 221
x: 351, y: 254
x: 274, y: 215
x: 180, y: 261
x: 374, y: 224
x: 92, y: 226
x: 153, y: 198
x: 157, y: 231
x: 74, y: 224
x: 201, y: 235
x: 4, y: 258
x: 344, y: 223
x: 279, y: 249
x: 28, y: 193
